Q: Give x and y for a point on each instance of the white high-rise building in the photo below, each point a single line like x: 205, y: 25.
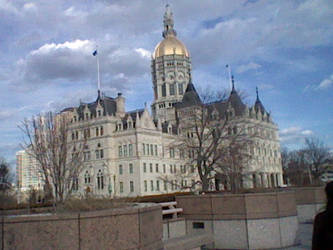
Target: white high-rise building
x: 27, y: 172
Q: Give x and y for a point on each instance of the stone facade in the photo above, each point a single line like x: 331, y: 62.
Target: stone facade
x: 131, y: 153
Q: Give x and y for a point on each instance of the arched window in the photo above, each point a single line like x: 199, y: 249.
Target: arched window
x: 100, y: 180
x: 87, y: 177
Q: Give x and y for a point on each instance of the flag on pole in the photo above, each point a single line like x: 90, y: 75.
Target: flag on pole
x: 95, y: 53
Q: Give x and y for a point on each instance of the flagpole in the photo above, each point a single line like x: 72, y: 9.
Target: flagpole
x: 98, y: 79
x: 95, y: 53
x: 230, y: 78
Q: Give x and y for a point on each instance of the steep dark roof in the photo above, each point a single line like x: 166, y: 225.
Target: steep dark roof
x: 258, y: 105
x: 190, y: 97
x: 236, y: 102
x: 108, y: 103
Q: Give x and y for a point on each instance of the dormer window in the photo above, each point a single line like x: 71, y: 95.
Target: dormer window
x: 129, y: 125
x: 87, y: 116
x: 99, y: 113
x: 74, y: 118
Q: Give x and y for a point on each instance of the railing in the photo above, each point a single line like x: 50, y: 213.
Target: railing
x: 169, y: 208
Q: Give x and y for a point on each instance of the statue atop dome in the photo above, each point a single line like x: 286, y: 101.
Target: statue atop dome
x: 168, y: 22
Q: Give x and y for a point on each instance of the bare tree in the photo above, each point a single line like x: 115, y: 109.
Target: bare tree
x: 59, y: 158
x: 295, y: 167
x: 316, y: 154
x: 210, y: 141
x: 5, y: 177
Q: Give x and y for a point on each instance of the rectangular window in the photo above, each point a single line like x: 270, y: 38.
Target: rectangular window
x: 180, y: 89
x: 131, y: 186
x: 131, y: 168
x: 147, y: 149
x: 181, y: 153
x: 152, y: 185
x: 102, y: 131
x: 156, y: 168
x: 120, y: 169
x: 171, y: 169
x: 165, y: 185
x: 101, y: 153
x: 156, y: 150
x: 163, y: 90
x: 125, y: 150
x: 157, y: 185
x: 121, y: 187
x: 120, y: 151
x: 144, y: 149
x: 97, y: 132
x: 130, y: 150
x: 151, y: 167
x: 144, y: 167
x: 151, y: 149
x: 164, y: 170
x: 172, y: 88
x: 97, y: 154
x: 146, y: 186
x: 175, y: 169
x: 172, y: 153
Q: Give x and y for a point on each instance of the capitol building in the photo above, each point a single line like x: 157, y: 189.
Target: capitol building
x: 132, y: 153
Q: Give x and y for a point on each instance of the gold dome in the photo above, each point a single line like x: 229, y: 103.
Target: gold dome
x: 170, y: 45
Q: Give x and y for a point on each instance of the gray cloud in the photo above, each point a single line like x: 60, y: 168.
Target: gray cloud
x: 294, y: 135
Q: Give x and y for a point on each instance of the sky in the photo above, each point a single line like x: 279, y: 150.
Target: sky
x: 285, y: 48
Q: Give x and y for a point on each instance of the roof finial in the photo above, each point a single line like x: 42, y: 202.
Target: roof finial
x: 233, y: 83
x: 168, y: 22
x: 257, y: 93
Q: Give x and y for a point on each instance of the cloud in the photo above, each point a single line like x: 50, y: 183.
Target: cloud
x: 5, y: 115
x: 72, y: 61
x: 294, y: 135
x: 326, y: 83
x: 246, y: 67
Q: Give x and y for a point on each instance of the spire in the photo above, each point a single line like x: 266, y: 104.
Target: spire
x: 258, y: 105
x: 232, y: 84
x: 257, y: 94
x: 168, y: 22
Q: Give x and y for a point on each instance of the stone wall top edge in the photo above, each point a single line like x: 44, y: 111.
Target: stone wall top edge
x: 207, y: 196
x: 129, y: 210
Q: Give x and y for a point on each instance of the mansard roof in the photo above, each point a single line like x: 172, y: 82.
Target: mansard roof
x: 133, y: 113
x: 108, y: 104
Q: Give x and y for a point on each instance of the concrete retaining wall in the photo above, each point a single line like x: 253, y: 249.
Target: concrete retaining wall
x: 133, y: 227
x: 309, y: 201
x: 243, y: 221
x: 174, y: 228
